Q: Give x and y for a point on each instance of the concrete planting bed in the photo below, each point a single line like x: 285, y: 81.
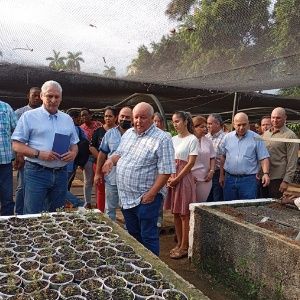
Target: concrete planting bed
x: 252, y: 246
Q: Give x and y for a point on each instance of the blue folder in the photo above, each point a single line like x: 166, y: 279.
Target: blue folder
x: 61, y: 143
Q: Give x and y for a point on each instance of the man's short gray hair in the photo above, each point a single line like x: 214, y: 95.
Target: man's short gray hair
x: 217, y: 117
x: 51, y: 83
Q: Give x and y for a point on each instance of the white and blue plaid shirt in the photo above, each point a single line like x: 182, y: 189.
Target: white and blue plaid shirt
x: 8, y: 122
x: 217, y: 139
x: 142, y: 158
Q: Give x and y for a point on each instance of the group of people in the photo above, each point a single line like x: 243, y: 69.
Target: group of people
x: 136, y: 165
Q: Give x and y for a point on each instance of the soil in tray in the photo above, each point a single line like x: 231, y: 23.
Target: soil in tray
x: 48, y: 294
x: 98, y: 295
x: 283, y: 230
x: 271, y: 225
x: 122, y: 294
x: 229, y: 210
x: 83, y: 274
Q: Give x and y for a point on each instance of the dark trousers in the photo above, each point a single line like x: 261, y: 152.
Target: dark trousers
x: 6, y: 190
x: 141, y: 223
x: 273, y: 188
x: 216, y: 192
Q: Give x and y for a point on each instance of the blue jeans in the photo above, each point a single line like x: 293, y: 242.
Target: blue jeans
x: 141, y: 223
x: 6, y: 190
x: 239, y: 188
x: 45, y: 189
x: 111, y: 200
x: 75, y: 201
x: 20, y: 192
x: 216, y: 192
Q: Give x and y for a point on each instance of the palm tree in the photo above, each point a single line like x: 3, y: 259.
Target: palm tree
x: 57, y: 62
x: 73, y: 62
x: 109, y: 71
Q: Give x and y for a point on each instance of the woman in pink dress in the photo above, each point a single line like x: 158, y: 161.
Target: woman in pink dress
x: 204, y: 166
x: 182, y: 186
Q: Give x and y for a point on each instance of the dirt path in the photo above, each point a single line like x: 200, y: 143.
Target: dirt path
x: 185, y: 269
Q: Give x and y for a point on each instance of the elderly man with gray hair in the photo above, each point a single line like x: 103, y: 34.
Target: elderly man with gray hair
x: 216, y: 135
x: 242, y: 153
x: 283, y: 156
x: 47, y: 138
x: 145, y: 160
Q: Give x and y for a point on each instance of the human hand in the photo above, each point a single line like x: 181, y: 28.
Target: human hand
x: 147, y: 198
x: 172, y: 182
x: 68, y: 156
x: 49, y: 155
x: 265, y: 180
x: 107, y: 167
x: 283, y: 186
x: 209, y: 176
x: 18, y: 162
x: 98, y: 179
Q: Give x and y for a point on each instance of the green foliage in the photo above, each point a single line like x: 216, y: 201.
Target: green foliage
x: 57, y: 62
x: 294, y: 127
x: 69, y: 63
x: 295, y: 91
x: 109, y: 71
x: 73, y: 61
x: 221, y: 35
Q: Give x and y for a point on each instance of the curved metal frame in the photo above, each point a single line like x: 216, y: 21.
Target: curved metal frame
x: 153, y: 97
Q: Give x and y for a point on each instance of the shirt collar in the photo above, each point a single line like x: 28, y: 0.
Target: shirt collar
x: 247, y: 132
x: 217, y: 134
x: 50, y: 116
x: 145, y: 132
x: 281, y: 130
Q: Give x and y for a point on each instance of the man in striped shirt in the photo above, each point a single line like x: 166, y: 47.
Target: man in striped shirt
x: 145, y: 159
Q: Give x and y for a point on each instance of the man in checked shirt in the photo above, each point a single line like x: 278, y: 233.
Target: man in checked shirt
x: 144, y: 160
x: 8, y: 122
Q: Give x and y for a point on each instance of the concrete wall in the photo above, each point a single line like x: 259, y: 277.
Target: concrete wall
x: 256, y: 262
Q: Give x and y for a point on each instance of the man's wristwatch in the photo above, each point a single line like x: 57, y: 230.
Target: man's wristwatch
x: 266, y: 173
x: 37, y: 154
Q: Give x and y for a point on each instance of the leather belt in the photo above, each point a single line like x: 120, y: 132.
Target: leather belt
x: 47, y: 168
x: 239, y: 175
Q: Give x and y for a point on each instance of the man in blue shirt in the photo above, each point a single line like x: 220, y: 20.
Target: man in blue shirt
x: 45, y: 171
x: 34, y: 101
x: 108, y: 146
x: 8, y: 122
x: 145, y: 159
x: 242, y: 153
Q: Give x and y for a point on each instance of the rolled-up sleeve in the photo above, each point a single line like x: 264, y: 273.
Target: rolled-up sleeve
x: 22, y: 130
x: 166, y: 157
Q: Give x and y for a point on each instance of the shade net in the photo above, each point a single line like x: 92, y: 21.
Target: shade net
x: 224, y: 45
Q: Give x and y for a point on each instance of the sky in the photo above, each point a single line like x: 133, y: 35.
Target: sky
x: 113, y: 29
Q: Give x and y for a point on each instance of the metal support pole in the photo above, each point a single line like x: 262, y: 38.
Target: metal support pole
x: 235, y: 107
